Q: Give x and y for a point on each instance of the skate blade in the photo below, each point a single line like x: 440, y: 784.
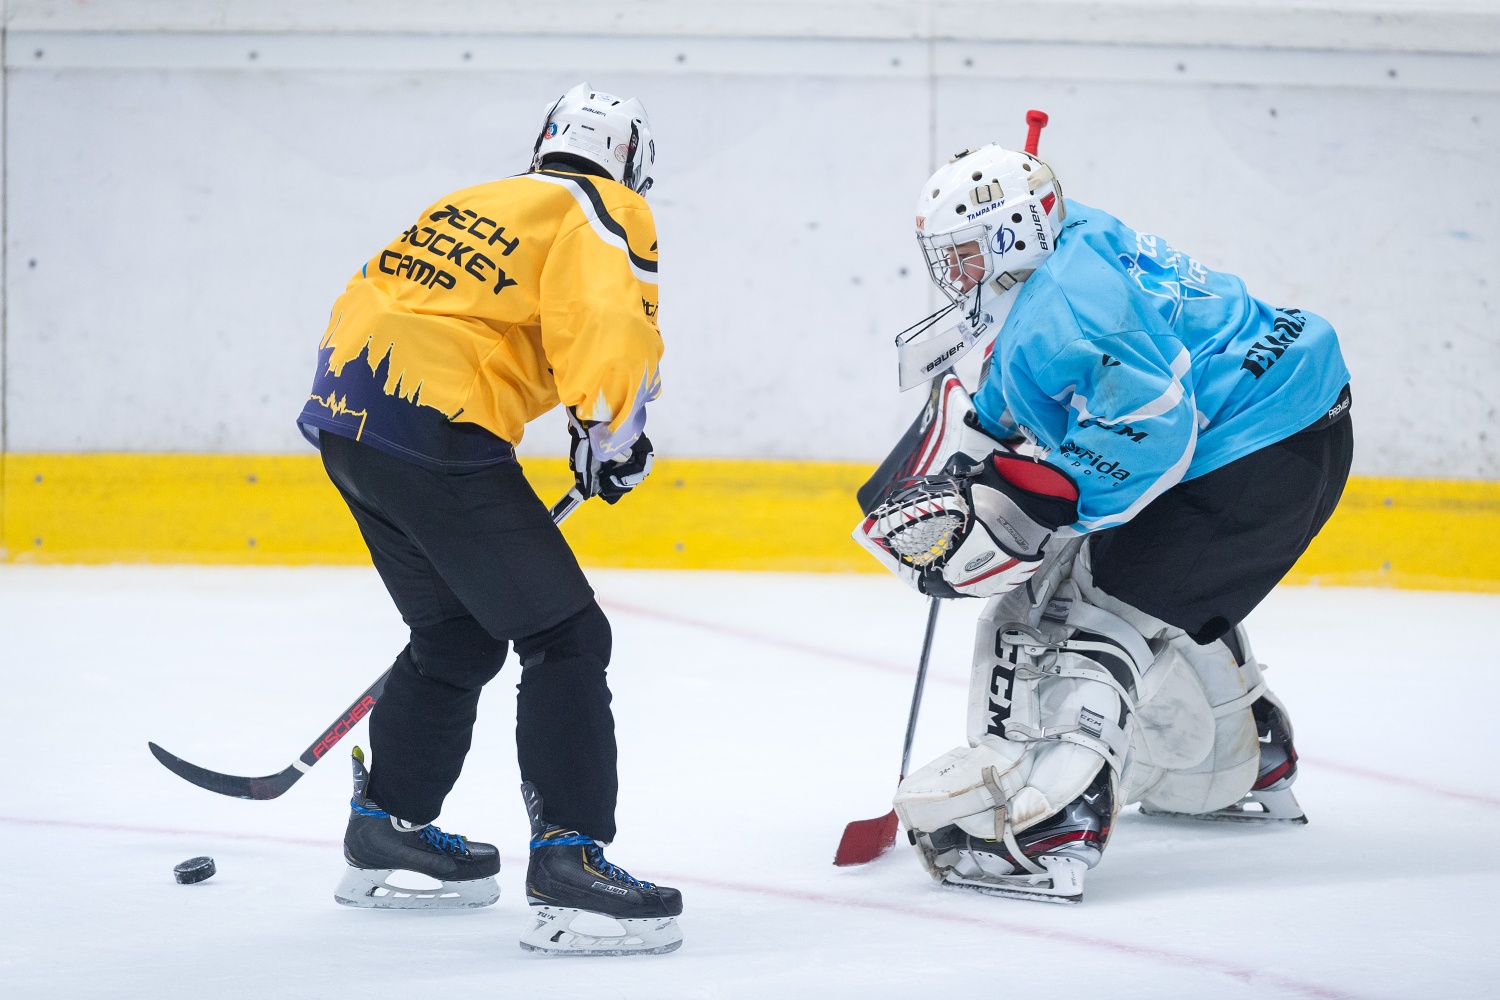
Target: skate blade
x: 1269, y: 805
x: 393, y: 889
x: 552, y: 933
x: 1061, y: 883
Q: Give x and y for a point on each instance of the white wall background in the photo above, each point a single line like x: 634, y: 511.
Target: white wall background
x: 188, y: 185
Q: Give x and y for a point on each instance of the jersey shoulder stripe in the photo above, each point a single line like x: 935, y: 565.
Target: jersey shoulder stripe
x: 605, y: 226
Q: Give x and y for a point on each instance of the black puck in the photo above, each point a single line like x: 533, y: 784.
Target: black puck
x: 194, y: 870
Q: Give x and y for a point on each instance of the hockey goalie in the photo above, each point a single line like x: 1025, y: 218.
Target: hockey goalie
x: 1148, y: 452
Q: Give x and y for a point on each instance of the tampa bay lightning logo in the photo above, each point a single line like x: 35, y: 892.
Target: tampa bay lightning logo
x: 1177, y: 278
x: 1003, y: 239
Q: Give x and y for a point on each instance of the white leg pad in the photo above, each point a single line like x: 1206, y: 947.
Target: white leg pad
x: 1195, y: 747
x: 1027, y: 806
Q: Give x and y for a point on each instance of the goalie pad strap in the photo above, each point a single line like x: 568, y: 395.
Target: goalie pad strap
x: 1091, y: 619
x: 1241, y: 703
x: 1019, y: 855
x: 1101, y: 736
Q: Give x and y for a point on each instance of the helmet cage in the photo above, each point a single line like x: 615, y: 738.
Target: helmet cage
x: 950, y: 258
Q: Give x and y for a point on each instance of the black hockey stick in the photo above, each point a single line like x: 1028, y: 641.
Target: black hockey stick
x: 272, y: 785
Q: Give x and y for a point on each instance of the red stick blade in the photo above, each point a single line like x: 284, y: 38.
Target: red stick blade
x: 866, y: 839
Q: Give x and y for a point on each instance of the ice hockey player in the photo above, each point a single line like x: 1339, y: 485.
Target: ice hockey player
x: 497, y: 303
x: 1148, y: 453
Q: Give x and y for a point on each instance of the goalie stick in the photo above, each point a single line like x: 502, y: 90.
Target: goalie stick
x: 936, y: 432
x: 272, y: 785
x: 865, y: 840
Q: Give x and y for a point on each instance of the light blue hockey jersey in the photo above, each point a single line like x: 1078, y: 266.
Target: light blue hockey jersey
x: 1137, y: 367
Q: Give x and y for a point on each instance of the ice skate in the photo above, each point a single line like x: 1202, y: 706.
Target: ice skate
x: 1270, y: 799
x: 583, y: 905
x: 1045, y: 863
x: 399, y: 866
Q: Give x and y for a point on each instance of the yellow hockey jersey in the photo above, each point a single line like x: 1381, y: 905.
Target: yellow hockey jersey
x: 499, y: 302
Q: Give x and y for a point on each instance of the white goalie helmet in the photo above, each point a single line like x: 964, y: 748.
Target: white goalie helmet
x: 606, y: 130
x: 989, y: 215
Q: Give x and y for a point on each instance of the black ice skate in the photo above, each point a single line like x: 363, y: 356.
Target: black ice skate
x: 583, y: 905
x: 397, y: 865
x: 1045, y: 862
x: 1270, y: 799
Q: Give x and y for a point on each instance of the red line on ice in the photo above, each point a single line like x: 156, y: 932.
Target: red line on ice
x: 771, y: 640
x: 170, y: 831
x: 1196, y: 962
x: 865, y: 661
x: 1395, y: 779
x: 1244, y: 974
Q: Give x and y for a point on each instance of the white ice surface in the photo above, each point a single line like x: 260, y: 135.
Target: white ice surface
x: 757, y: 715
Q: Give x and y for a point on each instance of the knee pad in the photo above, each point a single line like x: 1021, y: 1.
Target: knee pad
x: 584, y: 636
x: 1195, y: 747
x: 457, y: 652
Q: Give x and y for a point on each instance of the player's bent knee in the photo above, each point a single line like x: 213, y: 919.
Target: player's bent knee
x: 457, y: 652
x: 582, y: 637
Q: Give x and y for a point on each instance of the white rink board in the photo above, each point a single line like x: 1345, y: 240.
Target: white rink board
x: 186, y: 201
x: 757, y: 714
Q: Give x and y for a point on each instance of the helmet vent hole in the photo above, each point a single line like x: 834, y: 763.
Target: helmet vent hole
x: 1026, y: 167
x: 1015, y: 217
x: 936, y: 192
x: 960, y: 209
x: 1020, y: 244
x: 978, y: 176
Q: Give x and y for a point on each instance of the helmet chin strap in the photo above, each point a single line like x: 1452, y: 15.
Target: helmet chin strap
x: 974, y: 312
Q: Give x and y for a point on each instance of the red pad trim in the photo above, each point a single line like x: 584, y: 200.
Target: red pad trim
x: 1048, y: 200
x: 1035, y: 477
x: 985, y: 576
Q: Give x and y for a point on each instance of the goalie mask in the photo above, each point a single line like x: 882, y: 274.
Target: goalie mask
x: 990, y: 215
x: 608, y: 131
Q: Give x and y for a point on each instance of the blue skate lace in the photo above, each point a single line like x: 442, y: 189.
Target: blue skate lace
x: 593, y: 852
x: 595, y: 855
x: 448, y: 843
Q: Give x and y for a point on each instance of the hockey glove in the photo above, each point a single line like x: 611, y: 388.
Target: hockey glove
x: 610, y: 478
x: 978, y: 532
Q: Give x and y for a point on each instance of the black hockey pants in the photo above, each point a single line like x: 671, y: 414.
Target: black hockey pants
x: 1203, y: 554
x: 474, y: 562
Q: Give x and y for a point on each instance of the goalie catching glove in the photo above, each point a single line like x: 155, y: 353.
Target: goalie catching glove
x: 609, y: 478
x: 976, y: 532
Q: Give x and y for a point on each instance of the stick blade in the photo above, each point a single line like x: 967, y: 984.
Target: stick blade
x: 268, y: 787
x: 865, y: 840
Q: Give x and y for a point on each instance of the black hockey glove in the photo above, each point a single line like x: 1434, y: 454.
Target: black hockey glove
x: 612, y: 478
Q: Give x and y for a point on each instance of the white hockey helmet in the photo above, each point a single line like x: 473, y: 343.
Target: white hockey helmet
x: 990, y: 214
x: 613, y: 133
